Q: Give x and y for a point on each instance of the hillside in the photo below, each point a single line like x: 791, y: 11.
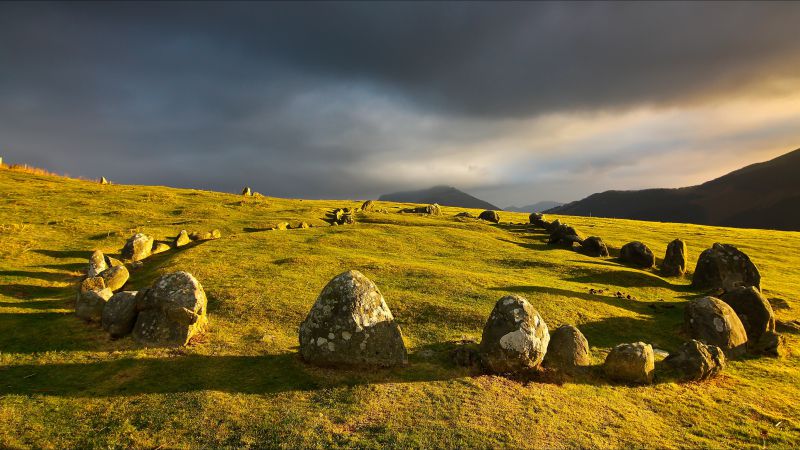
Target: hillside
x: 65, y: 384
x: 535, y: 207
x: 443, y: 195
x: 763, y: 195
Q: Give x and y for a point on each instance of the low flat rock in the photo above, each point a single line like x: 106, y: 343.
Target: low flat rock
x: 350, y: 324
x: 171, y: 311
x: 515, y: 336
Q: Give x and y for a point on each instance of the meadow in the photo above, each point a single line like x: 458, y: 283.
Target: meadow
x: 65, y: 383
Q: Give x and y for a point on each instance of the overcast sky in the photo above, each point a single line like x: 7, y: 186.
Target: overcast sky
x: 513, y: 103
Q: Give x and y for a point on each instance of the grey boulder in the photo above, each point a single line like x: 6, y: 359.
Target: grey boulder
x: 171, y: 311
x: 89, y: 305
x: 351, y: 325
x: 568, y: 349
x: 515, y: 336
x: 637, y: 254
x: 138, y: 247
x: 97, y: 264
x: 115, y: 277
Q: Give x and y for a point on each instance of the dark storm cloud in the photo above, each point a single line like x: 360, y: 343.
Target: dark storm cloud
x: 304, y: 99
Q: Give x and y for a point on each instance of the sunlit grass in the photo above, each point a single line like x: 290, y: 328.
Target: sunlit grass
x: 65, y: 384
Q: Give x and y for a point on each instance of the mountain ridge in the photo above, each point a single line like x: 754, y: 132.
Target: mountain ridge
x: 441, y: 194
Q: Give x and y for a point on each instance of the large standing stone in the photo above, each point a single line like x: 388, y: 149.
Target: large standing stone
x: 638, y: 254
x: 566, y: 236
x: 171, y: 311
x: 138, y: 247
x: 713, y: 322
x: 89, y: 305
x: 695, y: 361
x: 490, y: 216
x: 753, y: 310
x: 115, y: 277
x: 247, y: 192
x: 182, y: 239
x: 515, y: 337
x: 632, y: 363
x: 351, y: 325
x: 594, y: 246
x: 724, y: 266
x: 568, y: 349
x: 674, y: 259
x: 119, y: 314
x: 97, y: 264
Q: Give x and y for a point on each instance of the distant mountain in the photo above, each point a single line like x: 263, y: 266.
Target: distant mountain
x: 443, y: 195
x: 762, y: 195
x: 536, y: 207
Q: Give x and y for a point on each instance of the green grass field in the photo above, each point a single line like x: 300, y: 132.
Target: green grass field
x: 64, y: 383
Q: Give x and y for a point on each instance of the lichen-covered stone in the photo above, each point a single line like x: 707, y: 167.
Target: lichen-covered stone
x: 637, y: 254
x: 631, y: 363
x: 674, y: 263
x: 351, y: 325
x: 182, y: 239
x: 567, y: 350
x: 115, y: 277
x: 515, y: 337
x: 753, y: 310
x: 138, y: 247
x: 89, y: 305
x: 368, y: 206
x: 724, y: 266
x: 171, y: 311
x: 216, y: 234
x: 770, y: 344
x: 713, y: 322
x: 97, y: 264
x: 92, y: 284
x: 594, y: 246
x: 490, y: 216
x: 695, y: 361
x: 119, y: 314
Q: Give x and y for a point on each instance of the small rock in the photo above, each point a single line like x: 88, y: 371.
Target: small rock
x: 675, y: 259
x: 632, y: 363
x: 103, y: 180
x: 92, y: 284
x: 247, y: 192
x: 695, y: 361
x: 138, y: 247
x: 466, y: 214
x: 568, y: 349
x: 97, y: 264
x: 160, y: 247
x: 115, y: 277
x: 182, y: 239
x: 466, y: 353
x: 594, y: 246
x: 770, y: 344
x: 113, y: 262
x: 490, y: 216
x: 216, y: 234
x: 282, y: 226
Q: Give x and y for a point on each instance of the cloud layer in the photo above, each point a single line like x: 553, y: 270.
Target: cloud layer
x: 514, y: 102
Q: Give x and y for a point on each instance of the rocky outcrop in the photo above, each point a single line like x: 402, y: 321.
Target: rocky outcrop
x: 726, y: 267
x: 351, y: 325
x: 515, y: 337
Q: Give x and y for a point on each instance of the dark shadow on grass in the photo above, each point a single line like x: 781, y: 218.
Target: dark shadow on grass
x: 65, y: 254
x: 47, y: 331
x: 47, y: 276
x: 627, y: 278
x: 660, y: 331
x: 39, y: 304
x: 29, y: 291
x: 67, y: 267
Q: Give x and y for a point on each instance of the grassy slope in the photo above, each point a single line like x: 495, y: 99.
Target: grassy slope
x: 64, y: 383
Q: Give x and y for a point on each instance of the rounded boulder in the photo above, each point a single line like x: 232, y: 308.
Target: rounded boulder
x: 637, y: 254
x: 631, y: 363
x: 515, y: 337
x: 713, y: 322
x: 568, y: 349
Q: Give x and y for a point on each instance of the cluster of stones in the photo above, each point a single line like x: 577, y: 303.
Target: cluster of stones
x: 168, y: 313
x: 431, y: 210
x: 247, y: 192
x: 350, y: 324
